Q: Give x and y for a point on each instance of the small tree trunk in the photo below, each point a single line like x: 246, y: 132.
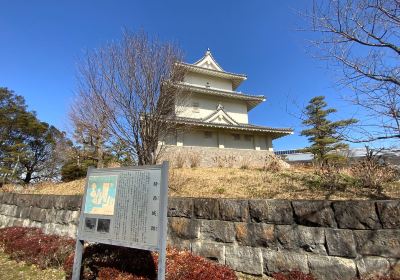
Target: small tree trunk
x: 28, y: 177
x: 100, y: 157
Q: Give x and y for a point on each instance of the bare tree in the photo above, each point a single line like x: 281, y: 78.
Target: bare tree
x: 132, y: 83
x: 361, y: 38
x: 88, y: 118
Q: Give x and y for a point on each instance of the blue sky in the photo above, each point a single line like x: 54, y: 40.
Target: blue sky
x: 41, y: 42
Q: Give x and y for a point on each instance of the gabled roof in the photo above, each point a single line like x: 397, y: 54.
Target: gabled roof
x: 208, y: 65
x: 274, y: 132
x: 220, y: 116
x: 208, y: 61
x: 251, y: 100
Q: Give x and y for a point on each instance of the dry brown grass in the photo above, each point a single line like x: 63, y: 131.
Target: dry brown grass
x: 294, y: 183
x: 67, y: 188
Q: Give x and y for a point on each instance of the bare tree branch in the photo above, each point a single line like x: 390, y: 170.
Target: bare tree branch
x: 131, y: 83
x: 361, y: 38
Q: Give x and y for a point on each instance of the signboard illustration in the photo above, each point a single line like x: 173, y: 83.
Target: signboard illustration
x: 125, y: 207
x: 101, y: 195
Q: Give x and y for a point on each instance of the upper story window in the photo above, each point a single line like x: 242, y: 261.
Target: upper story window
x: 236, y: 137
x: 196, y: 107
x: 207, y: 134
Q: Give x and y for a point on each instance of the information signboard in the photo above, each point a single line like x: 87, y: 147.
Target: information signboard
x: 125, y: 207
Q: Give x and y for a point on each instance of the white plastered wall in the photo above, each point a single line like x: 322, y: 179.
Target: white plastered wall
x: 208, y: 105
x: 197, y: 138
x: 220, y: 139
x: 213, y: 82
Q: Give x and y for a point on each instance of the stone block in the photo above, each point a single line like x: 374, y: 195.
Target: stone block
x: 37, y: 214
x: 46, y: 201
x: 3, y: 208
x: 10, y: 210
x: 301, y: 238
x: 67, y: 202
x: 332, y: 268
x: 389, y: 213
x: 178, y: 243
x: 8, y: 198
x: 368, y: 266
x: 235, y: 210
x: 51, y: 215
x: 256, y: 235
x: 3, y: 221
x: 211, y: 251
x: 72, y: 202
x: 395, y: 268
x: 24, y: 200
x: 63, y: 230
x: 244, y: 259
x: 24, y: 213
x: 384, y: 242
x: 183, y: 228
x: 271, y: 211
x: 37, y: 201
x: 218, y: 231
x: 180, y: 207
x: 17, y: 223
x: 74, y: 217
x: 341, y: 243
x: 206, y: 208
x: 10, y: 222
x: 62, y: 217
x: 314, y: 213
x: 284, y: 261
x: 356, y: 215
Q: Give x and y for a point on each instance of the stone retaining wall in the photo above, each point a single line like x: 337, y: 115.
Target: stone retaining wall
x: 215, y: 157
x: 330, y: 239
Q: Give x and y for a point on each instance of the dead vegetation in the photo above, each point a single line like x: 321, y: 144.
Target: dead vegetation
x: 269, y: 183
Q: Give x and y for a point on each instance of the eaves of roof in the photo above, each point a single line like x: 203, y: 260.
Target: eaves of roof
x: 237, y: 79
x: 251, y: 100
x: 274, y: 132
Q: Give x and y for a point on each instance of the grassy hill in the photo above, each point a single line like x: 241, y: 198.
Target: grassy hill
x: 293, y: 183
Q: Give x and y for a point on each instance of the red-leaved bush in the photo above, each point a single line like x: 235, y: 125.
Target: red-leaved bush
x: 106, y: 262
x: 34, y: 247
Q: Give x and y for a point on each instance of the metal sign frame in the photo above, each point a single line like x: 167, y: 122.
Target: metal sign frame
x: 162, y: 220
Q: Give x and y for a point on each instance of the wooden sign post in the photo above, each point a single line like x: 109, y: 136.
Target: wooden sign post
x: 125, y: 207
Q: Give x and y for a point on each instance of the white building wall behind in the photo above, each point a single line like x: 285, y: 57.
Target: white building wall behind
x: 201, y: 80
x: 208, y: 105
x: 198, y: 139
x: 242, y: 143
x: 261, y: 141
